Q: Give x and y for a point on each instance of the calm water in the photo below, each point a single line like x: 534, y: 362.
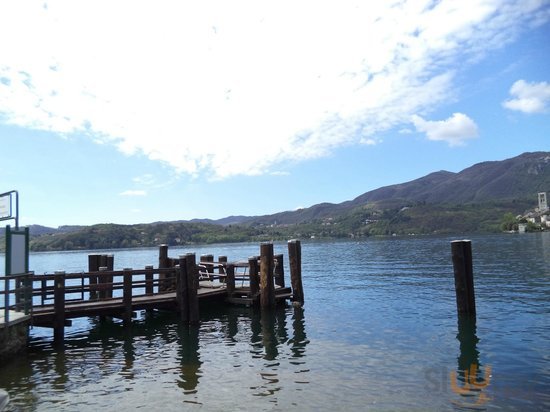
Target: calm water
x: 379, y: 331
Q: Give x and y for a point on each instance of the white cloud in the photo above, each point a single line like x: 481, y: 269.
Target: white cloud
x: 146, y: 179
x: 133, y: 193
x: 456, y: 130
x: 529, y: 97
x: 369, y: 141
x: 225, y: 88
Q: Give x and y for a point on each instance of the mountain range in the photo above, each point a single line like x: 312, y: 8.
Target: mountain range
x: 472, y: 200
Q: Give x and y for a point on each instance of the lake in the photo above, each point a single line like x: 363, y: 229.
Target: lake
x: 378, y: 331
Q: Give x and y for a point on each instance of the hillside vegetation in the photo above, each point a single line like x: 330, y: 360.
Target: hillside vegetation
x: 474, y: 200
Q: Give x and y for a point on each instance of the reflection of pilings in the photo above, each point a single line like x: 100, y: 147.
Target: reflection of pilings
x: 129, y: 354
x: 232, y: 324
x: 60, y: 365
x: 299, y: 340
x: 470, y: 379
x: 269, y: 338
x: 469, y: 355
x: 189, y: 358
x: 280, y: 315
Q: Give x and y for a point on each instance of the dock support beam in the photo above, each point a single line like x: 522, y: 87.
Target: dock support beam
x: 59, y: 308
x: 267, y: 291
x: 295, y: 261
x: 464, y: 277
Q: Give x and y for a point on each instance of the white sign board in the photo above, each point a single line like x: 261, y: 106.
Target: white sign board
x: 5, y: 206
x: 18, y: 253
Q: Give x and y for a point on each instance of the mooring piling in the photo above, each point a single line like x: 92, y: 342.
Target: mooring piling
x: 182, y: 289
x: 192, y: 288
x: 164, y: 263
x: 59, y: 307
x: 127, y: 295
x: 254, y: 281
x: 93, y: 266
x: 295, y: 262
x: 279, y: 271
x: 267, y: 292
x: 464, y: 277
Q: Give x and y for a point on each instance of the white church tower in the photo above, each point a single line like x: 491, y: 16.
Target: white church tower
x: 543, y: 204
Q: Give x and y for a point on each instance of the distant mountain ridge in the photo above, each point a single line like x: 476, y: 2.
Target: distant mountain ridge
x: 518, y: 178
x: 473, y: 199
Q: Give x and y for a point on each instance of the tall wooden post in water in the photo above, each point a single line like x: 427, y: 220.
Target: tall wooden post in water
x: 93, y: 266
x: 279, y: 271
x: 464, y: 277
x: 295, y: 261
x: 59, y: 308
x: 192, y: 288
x: 267, y: 291
x: 164, y: 263
x: 254, y: 280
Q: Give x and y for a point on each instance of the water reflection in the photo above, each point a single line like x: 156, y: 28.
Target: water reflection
x: 299, y: 339
x: 471, y: 378
x: 189, y: 358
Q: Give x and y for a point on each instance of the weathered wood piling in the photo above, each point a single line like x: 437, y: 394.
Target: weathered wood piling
x: 267, y: 293
x: 295, y: 261
x: 464, y: 277
x: 59, y: 307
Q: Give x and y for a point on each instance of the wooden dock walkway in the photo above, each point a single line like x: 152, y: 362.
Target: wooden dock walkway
x: 177, y: 284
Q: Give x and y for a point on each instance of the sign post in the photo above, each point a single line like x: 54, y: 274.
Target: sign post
x: 6, y: 207
x: 17, y: 241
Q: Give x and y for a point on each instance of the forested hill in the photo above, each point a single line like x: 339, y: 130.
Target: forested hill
x: 473, y: 200
x: 515, y: 180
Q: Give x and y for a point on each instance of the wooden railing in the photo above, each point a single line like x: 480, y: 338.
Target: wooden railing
x: 16, y: 294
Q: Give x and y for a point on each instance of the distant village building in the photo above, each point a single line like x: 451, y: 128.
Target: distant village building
x: 543, y: 204
x: 540, y: 216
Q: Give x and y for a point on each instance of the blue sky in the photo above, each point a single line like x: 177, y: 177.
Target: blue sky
x: 130, y: 112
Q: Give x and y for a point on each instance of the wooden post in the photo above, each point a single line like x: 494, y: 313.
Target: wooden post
x: 163, y: 264
x: 254, y: 279
x: 295, y: 261
x: 192, y: 288
x: 127, y: 296
x: 59, y: 308
x: 101, y: 283
x: 149, y: 279
x: 182, y: 289
x: 109, y: 279
x: 93, y: 266
x: 221, y: 270
x: 230, y: 285
x: 464, y: 277
x: 267, y: 293
x: 279, y: 271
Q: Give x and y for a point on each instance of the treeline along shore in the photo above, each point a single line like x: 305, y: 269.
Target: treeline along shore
x: 479, y: 199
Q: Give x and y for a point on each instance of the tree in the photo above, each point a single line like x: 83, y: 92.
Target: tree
x: 509, y: 222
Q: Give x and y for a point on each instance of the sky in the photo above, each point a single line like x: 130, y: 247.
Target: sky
x: 142, y: 111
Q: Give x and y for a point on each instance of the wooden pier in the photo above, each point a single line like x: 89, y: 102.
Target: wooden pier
x: 177, y: 284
